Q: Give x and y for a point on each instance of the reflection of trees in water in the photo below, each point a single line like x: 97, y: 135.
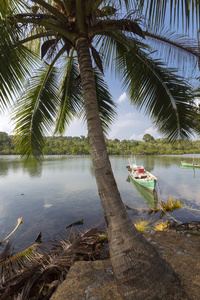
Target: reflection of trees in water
x: 34, y: 170
x: 6, y: 165
x: 14, y: 165
x: 166, y: 161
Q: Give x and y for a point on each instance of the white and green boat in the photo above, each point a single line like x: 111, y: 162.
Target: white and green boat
x: 141, y: 176
x: 189, y: 165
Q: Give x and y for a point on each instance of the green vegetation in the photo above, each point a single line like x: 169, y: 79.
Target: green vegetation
x: 67, y: 145
x: 170, y: 205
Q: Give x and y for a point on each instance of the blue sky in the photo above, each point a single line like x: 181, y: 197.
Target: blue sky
x: 129, y: 124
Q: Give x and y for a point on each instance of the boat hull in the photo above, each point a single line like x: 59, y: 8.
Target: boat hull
x: 142, y: 177
x: 190, y: 165
x: 148, y: 183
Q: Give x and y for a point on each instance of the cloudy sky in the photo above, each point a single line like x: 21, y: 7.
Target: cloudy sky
x: 130, y: 123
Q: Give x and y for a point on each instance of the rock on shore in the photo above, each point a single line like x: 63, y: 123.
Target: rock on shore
x: 94, y: 280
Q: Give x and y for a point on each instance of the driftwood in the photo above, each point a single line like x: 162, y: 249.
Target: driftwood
x: 80, y: 222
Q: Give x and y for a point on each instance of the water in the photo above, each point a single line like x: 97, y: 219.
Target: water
x: 63, y: 191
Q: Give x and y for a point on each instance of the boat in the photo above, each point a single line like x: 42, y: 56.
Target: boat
x: 141, y: 176
x: 189, y: 165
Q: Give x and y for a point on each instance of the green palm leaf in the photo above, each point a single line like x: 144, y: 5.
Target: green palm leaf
x: 107, y: 107
x: 16, y: 64
x: 166, y: 97
x: 114, y: 44
x: 182, y: 12
x: 14, y: 6
x: 35, y: 111
x: 70, y: 93
x: 180, y: 50
x: 71, y: 103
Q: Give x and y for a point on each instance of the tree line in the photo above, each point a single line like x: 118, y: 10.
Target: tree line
x: 68, y: 145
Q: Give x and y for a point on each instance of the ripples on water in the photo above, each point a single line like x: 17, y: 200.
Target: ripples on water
x: 63, y: 190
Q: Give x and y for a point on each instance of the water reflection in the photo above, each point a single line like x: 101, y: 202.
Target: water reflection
x: 187, y: 168
x: 33, y: 168
x: 63, y: 190
x: 13, y: 164
x: 150, y: 197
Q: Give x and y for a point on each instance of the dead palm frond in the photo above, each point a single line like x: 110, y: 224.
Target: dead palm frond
x: 37, y: 274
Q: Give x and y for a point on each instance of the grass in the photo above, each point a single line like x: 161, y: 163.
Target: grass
x: 170, y: 205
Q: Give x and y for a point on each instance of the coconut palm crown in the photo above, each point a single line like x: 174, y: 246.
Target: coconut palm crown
x: 77, y: 41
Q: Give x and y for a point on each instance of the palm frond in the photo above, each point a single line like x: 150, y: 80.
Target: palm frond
x: 11, y: 265
x: 97, y: 58
x: 12, y: 6
x: 41, y: 273
x: 35, y: 111
x: 70, y: 94
x: 180, y: 51
x: 128, y: 25
x: 6, y: 252
x: 46, y: 46
x: 166, y: 97
x: 125, y: 4
x: 16, y: 64
x: 107, y: 107
x: 185, y: 13
x: 113, y: 44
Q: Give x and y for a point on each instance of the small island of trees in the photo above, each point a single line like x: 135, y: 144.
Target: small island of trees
x: 68, y: 145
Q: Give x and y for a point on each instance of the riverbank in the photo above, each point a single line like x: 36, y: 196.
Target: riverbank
x: 95, y: 280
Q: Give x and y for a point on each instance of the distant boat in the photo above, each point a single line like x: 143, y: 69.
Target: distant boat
x: 190, y: 165
x: 141, y: 176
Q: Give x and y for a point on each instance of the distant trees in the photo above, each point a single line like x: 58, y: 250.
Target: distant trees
x: 68, y: 145
x: 6, y: 144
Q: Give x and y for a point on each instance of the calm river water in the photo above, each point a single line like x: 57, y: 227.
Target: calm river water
x: 63, y: 191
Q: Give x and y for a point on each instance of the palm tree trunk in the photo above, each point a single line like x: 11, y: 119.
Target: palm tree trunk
x: 140, y: 272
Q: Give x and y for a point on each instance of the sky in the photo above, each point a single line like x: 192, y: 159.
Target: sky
x: 129, y: 124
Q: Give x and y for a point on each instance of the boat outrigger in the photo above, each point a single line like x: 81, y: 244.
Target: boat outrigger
x: 190, y: 165
x: 141, y: 176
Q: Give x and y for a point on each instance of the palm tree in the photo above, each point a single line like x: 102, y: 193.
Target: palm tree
x: 73, y: 37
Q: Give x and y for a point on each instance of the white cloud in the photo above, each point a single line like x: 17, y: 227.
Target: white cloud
x: 5, y: 124
x: 122, y: 98
x: 153, y: 132
x: 136, y: 137
x: 126, y: 124
x: 197, y: 101
x: 76, y: 128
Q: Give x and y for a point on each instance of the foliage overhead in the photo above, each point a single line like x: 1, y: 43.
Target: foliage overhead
x: 39, y: 65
